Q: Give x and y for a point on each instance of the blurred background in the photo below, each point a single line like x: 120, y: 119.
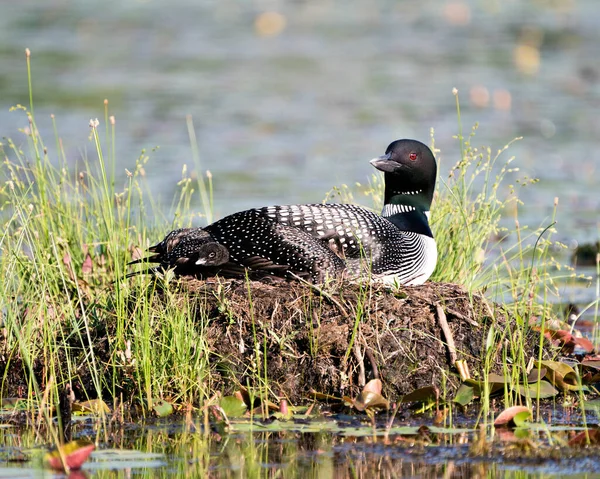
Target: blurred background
x: 289, y: 98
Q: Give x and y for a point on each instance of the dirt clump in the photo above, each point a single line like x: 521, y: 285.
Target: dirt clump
x: 333, y: 340
x: 295, y: 339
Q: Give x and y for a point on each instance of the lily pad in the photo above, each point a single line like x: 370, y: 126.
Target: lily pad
x: 513, y: 415
x: 464, y: 395
x: 540, y: 390
x: 368, y: 400
x: 561, y: 375
x: 74, y: 454
x: 233, y: 406
x: 425, y: 395
x: 94, y: 406
x: 162, y: 408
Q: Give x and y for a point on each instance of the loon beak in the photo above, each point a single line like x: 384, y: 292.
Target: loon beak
x: 201, y: 261
x: 383, y: 163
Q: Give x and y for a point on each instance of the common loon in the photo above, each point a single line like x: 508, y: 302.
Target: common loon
x: 194, y: 252
x: 330, y: 240
x: 186, y: 250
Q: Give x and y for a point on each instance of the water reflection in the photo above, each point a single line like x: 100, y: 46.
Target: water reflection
x: 174, y: 451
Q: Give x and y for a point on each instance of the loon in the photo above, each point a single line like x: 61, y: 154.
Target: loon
x: 188, y: 251
x: 194, y: 252
x: 316, y: 241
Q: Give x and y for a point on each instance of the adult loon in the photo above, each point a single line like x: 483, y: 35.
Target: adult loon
x: 317, y: 241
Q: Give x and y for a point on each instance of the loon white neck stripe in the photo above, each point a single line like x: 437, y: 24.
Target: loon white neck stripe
x: 417, y: 192
x: 390, y: 209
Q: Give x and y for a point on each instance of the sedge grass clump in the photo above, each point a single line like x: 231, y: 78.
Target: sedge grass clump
x: 67, y: 235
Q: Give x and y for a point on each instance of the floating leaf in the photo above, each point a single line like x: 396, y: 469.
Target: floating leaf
x: 506, y: 417
x: 94, y: 406
x: 370, y: 400
x: 254, y: 402
x: 562, y: 338
x: 536, y: 374
x: 162, y: 408
x: 374, y: 385
x: 74, y: 453
x: 584, y: 344
x: 128, y: 455
x: 590, y: 437
x: 233, y: 406
x: 464, y: 395
x: 521, y: 418
x: 424, y: 394
x: 561, y: 375
x: 494, y: 378
x: 495, y: 384
x: 591, y: 363
x: 540, y: 390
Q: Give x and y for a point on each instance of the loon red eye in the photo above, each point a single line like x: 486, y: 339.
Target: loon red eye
x: 413, y: 156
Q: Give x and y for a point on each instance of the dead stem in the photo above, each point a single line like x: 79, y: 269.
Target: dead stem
x: 443, y: 322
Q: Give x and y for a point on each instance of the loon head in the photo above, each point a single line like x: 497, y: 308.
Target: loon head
x: 212, y: 254
x: 410, y: 173
x: 185, y: 247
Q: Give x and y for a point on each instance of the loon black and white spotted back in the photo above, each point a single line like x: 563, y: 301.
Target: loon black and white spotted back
x: 327, y: 240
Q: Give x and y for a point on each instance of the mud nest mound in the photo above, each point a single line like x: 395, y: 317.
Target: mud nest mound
x: 332, y: 341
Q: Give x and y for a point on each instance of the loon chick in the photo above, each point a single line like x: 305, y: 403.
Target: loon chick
x: 396, y: 246
x: 188, y: 251
x: 193, y: 251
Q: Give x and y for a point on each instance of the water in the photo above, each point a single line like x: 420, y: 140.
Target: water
x: 282, y: 118
x: 174, y: 449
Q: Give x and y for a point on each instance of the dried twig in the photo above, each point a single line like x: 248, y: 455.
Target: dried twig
x: 361, y: 365
x: 373, y: 362
x: 443, y: 322
x: 462, y: 317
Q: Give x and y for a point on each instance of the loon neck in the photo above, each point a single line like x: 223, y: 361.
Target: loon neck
x: 413, y: 220
x: 409, y: 211
x: 406, y: 201
x: 410, y: 199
